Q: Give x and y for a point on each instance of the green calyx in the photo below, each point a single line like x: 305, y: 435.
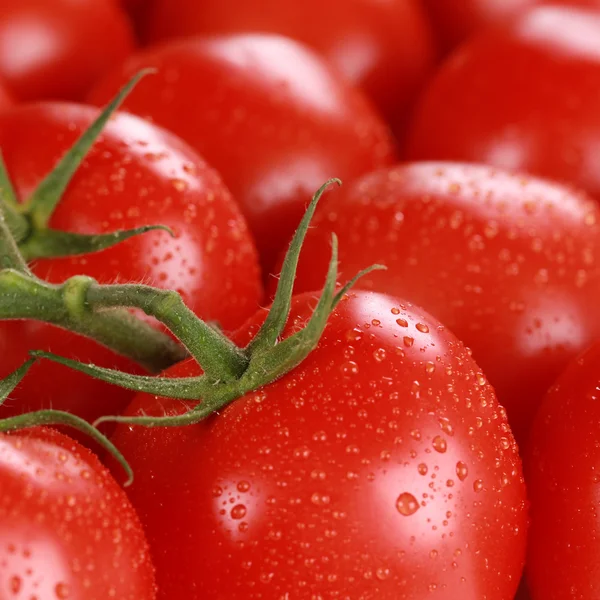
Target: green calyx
x: 28, y: 221
x: 102, y: 312
x: 229, y: 372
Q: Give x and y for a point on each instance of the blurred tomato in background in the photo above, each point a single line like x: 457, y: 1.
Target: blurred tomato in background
x: 56, y: 49
x: 456, y: 20
x: 523, y: 96
x: 386, y: 48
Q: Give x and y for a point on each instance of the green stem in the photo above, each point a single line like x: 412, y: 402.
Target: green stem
x: 23, y: 296
x: 221, y: 360
x: 10, y: 257
x: 58, y: 417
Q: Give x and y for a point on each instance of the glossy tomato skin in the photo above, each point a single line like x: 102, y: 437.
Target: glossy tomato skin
x: 386, y: 48
x: 521, y: 97
x: 267, y: 113
x: 6, y: 99
x: 562, y: 468
x: 510, y: 264
x: 67, y: 530
x: 382, y: 467
x: 56, y: 50
x: 455, y: 21
x: 136, y: 174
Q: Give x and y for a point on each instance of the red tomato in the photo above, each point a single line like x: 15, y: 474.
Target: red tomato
x: 563, y: 465
x: 520, y: 97
x: 136, y: 174
x: 382, y: 467
x: 67, y: 530
x: 384, y: 47
x: 456, y: 21
x: 267, y: 113
x: 57, y: 49
x: 6, y: 100
x: 511, y: 265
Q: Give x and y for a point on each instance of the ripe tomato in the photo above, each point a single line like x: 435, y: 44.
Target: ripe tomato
x: 384, y: 47
x: 511, y: 265
x: 67, y: 530
x: 136, y: 174
x: 456, y: 21
x: 6, y: 100
x: 563, y: 465
x: 382, y: 467
x: 520, y: 97
x: 58, y: 49
x: 275, y: 132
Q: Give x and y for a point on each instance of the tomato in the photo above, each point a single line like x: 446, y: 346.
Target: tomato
x: 456, y: 21
x: 384, y: 47
x: 67, y: 530
x: 136, y: 174
x: 520, y: 97
x: 563, y: 465
x: 275, y: 133
x: 6, y: 100
x: 510, y: 264
x: 57, y: 49
x: 381, y: 467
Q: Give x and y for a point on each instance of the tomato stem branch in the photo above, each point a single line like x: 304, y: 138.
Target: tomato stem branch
x: 24, y: 296
x: 221, y: 360
x: 10, y: 257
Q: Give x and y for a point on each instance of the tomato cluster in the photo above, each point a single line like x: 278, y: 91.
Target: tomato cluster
x: 431, y: 432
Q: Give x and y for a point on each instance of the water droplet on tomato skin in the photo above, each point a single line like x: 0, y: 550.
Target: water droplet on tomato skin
x: 238, y: 512
x: 243, y: 486
x: 478, y: 485
x: 406, y: 504
x: 379, y: 354
x: 349, y: 368
x: 15, y: 584
x: 439, y: 444
x: 62, y: 591
x: 462, y: 470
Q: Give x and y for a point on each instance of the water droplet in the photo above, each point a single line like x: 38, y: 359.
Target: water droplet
x: 446, y: 426
x: 439, y: 444
x: 349, y: 368
x: 422, y: 468
x: 243, y: 486
x: 478, y: 485
x: 14, y: 584
x: 461, y: 470
x: 382, y: 573
x: 408, y: 341
x: 407, y: 504
x: 179, y: 184
x: 395, y: 311
x: 422, y: 327
x: 402, y: 322
x: 238, y: 511
x: 217, y: 491
x: 61, y: 590
x: 376, y: 322
x: 379, y: 354
x: 429, y: 367
x: 354, y: 335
